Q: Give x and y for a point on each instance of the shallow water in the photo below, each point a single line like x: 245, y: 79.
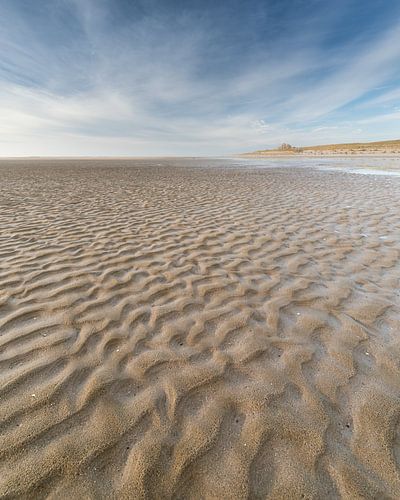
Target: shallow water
x: 376, y: 165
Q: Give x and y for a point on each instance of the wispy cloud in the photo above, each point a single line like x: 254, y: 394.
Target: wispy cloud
x: 114, y: 77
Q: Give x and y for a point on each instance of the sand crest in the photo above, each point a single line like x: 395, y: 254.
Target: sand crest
x: 193, y: 331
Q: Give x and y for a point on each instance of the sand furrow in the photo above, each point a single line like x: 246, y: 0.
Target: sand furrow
x: 194, y: 331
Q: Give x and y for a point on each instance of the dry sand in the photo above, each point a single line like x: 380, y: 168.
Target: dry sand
x: 380, y: 148
x: 189, y: 332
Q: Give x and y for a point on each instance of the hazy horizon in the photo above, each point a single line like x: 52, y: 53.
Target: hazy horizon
x: 172, y: 78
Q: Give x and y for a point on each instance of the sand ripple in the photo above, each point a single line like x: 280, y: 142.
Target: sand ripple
x: 174, y: 332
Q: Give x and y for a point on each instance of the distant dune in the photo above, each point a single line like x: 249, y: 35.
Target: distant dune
x: 355, y: 148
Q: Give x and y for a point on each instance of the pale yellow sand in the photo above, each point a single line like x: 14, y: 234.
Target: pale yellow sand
x: 182, y: 332
x: 380, y: 148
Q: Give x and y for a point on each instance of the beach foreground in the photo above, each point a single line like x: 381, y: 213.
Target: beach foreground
x: 177, y: 331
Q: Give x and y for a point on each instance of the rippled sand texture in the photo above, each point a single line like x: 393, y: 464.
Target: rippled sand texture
x: 190, y: 332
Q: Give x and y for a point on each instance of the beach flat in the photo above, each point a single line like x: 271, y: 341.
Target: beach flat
x: 182, y: 329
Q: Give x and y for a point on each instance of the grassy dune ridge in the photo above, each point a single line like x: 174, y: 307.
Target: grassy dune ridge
x: 361, y: 148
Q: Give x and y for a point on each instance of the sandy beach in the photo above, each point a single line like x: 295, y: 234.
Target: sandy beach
x: 181, y: 329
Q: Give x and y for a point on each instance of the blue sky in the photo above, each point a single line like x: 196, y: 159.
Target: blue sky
x: 161, y: 77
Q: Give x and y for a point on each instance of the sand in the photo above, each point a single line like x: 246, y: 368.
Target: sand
x: 177, y: 329
x: 361, y: 149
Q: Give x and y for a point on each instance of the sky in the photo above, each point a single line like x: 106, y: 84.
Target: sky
x: 183, y: 77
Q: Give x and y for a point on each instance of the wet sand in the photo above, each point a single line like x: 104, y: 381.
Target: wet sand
x: 174, y: 329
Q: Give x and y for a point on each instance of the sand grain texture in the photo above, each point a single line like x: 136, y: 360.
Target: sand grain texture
x: 177, y: 331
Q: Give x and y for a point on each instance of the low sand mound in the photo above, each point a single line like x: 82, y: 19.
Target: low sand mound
x: 187, y: 332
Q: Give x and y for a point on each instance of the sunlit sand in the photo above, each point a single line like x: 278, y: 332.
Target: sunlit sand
x: 188, y: 330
